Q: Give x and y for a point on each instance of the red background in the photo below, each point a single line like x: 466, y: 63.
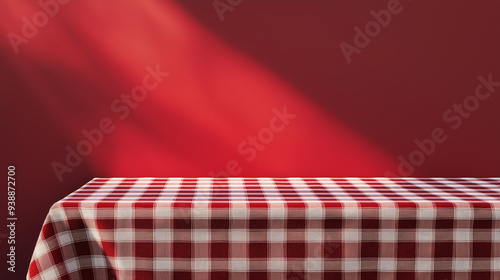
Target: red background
x: 225, y: 79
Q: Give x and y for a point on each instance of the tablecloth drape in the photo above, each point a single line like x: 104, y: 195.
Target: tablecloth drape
x: 273, y: 228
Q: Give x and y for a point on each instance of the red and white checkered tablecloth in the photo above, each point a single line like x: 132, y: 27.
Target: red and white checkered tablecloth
x: 273, y: 228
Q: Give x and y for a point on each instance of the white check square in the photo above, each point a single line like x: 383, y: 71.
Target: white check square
x: 462, y: 235
x: 388, y: 235
x: 201, y: 264
x: 41, y: 249
x: 124, y: 235
x: 426, y: 213
x: 89, y: 213
x: 387, y: 264
x: 425, y: 235
x: 163, y: 264
x: 314, y: 235
x: 496, y: 236
x: 496, y: 264
x: 50, y: 273
x: 351, y: 235
x: 64, y: 238
x: 124, y: 213
x: 496, y: 214
x: 351, y: 265
x: 351, y: 212
x: 462, y: 264
x: 163, y: 212
x: 239, y: 264
x: 276, y: 265
x: 315, y: 212
x: 464, y: 213
x: 239, y: 235
x: 277, y: 212
x: 201, y: 213
x: 124, y: 263
x: 314, y: 264
x: 58, y: 215
x: 388, y: 213
x: 71, y: 265
x: 239, y: 213
x: 99, y: 261
x: 276, y: 235
x: 423, y: 264
x: 162, y: 235
x: 200, y: 235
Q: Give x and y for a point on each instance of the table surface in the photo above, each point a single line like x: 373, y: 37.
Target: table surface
x: 274, y: 228
x: 294, y: 191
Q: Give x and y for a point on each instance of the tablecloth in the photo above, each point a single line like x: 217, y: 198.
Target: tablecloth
x: 273, y: 228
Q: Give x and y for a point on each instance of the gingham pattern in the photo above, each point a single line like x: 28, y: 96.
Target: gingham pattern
x: 268, y: 228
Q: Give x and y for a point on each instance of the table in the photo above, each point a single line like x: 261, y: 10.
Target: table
x: 273, y: 228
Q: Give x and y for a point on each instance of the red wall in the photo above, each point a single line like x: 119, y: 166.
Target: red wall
x: 267, y: 91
